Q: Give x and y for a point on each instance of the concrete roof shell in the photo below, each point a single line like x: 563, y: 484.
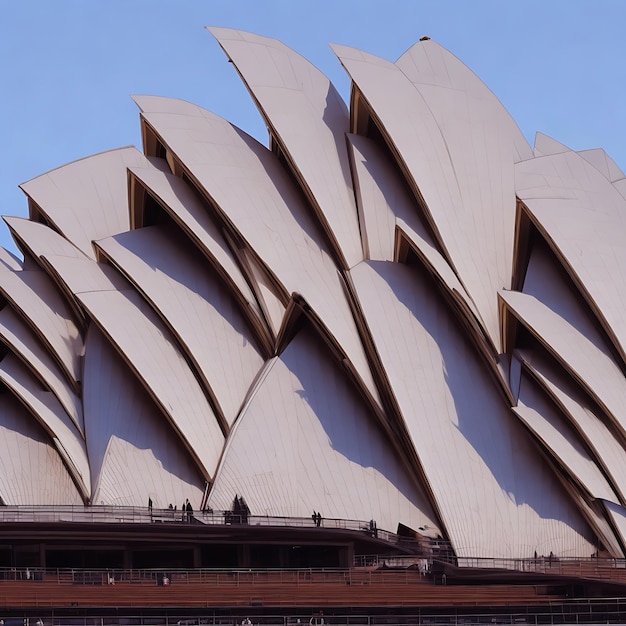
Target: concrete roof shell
x: 305, y: 441
x: 582, y: 215
x: 127, y: 438
x: 456, y: 95
x: 36, y: 299
x: 475, y: 232
x: 196, y: 308
x: 590, y: 425
x: 87, y: 199
x: 594, y: 370
x: 473, y: 454
x: 545, y: 421
x: 256, y: 196
x: 19, y: 337
x: 308, y: 120
x: 26, y: 450
x: 151, y: 352
x: 47, y: 410
x: 183, y: 205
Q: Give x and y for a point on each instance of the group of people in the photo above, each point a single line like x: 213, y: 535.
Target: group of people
x: 186, y: 508
x: 317, y: 518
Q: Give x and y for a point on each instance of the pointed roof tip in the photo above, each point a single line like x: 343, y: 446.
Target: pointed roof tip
x: 143, y: 101
x: 162, y: 104
x: 223, y: 33
x: 136, y: 99
x: 546, y: 145
x: 348, y: 52
x: 217, y: 30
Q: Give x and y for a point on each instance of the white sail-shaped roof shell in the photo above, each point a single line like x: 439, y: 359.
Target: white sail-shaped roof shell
x: 471, y: 212
x: 290, y: 454
x: 200, y: 313
x: 583, y: 217
x: 134, y: 453
x: 48, y: 411
x: 31, y: 470
x: 185, y: 207
x: 19, y: 337
x: 547, y: 282
x: 37, y: 300
x: 150, y: 351
x: 308, y: 119
x: 491, y: 488
x: 9, y: 260
x: 552, y: 430
x: 603, y: 163
x: 388, y: 208
x: 617, y: 514
x: 463, y: 104
x: 256, y: 195
x: 594, y: 433
x: 87, y: 199
x: 148, y: 347
x: 596, y: 371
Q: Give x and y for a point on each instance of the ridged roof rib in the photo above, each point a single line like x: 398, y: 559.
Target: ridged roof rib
x: 149, y: 349
x: 256, y: 196
x: 462, y: 169
x: 36, y: 299
x: 87, y: 199
x: 27, y: 451
x: 389, y: 210
x: 583, y: 216
x: 594, y: 370
x: 556, y: 435
x: 308, y: 120
x: 494, y: 492
x: 19, y: 337
x: 131, y: 445
x: 186, y: 209
x: 588, y: 422
x: 547, y: 282
x: 112, y: 298
x: 290, y: 454
x: 197, y: 310
x: 46, y: 409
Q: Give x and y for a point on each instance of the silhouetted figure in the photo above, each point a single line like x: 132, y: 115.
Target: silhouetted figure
x: 244, y: 510
x: 319, y: 519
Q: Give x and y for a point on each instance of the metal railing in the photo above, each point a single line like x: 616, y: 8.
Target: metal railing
x: 425, y: 548
x: 213, y: 576
x: 604, y: 611
x: 146, y: 515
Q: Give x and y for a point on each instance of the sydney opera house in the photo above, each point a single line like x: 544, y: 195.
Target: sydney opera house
x: 397, y: 317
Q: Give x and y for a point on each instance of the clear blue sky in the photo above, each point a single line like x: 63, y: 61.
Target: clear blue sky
x: 67, y: 67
